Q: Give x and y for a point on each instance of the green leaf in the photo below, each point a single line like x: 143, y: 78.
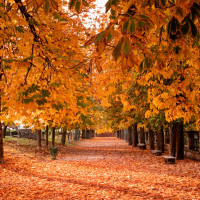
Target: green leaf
x: 132, y: 26
x: 141, y: 66
x: 54, y: 4
x: 147, y: 62
x: 116, y: 51
x: 173, y: 26
x: 4, y: 108
x: 140, y: 24
x: 2, y: 5
x: 71, y: 4
x: 99, y: 37
x: 54, y: 84
x: 45, y: 93
x: 125, y: 26
x: 157, y: 4
x: 108, y: 4
x: 177, y: 49
x: 27, y: 101
x: 193, y: 28
x: 28, y: 58
x: 109, y: 37
x: 113, y: 13
x: 168, y: 27
x: 78, y: 6
x: 41, y: 101
x: 126, y: 48
x: 179, y: 11
x: 46, y: 6
x: 19, y: 29
x: 185, y: 28
x: 85, y: 3
x: 59, y: 18
x: 144, y: 16
x: 57, y: 106
x: 163, y: 3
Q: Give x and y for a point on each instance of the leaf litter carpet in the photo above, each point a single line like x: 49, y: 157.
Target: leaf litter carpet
x: 100, y: 168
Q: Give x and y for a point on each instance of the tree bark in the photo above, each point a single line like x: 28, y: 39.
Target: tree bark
x: 117, y: 134
x: 4, y: 131
x: 130, y: 141
x: 63, y: 139
x: 172, y: 150
x: 166, y: 133
x: 93, y: 132
x: 160, y: 139
x: 135, y: 135
x: 142, y: 136
x: 1, y: 131
x: 47, y: 136
x: 1, y: 145
x: 39, y: 141
x: 179, y: 141
x: 53, y: 136
x: 77, y: 135
x: 83, y: 134
x: 151, y: 139
x: 190, y: 135
x: 126, y: 136
x: 120, y: 134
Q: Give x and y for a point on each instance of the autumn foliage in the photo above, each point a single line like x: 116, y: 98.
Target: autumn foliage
x: 141, y: 66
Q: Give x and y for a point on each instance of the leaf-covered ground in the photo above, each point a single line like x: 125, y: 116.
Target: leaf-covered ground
x: 100, y: 168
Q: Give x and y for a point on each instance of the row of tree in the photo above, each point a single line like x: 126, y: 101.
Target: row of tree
x: 144, y: 69
x: 135, y: 138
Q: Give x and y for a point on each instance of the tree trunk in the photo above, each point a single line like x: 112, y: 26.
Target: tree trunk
x: 142, y: 136
x: 120, y: 134
x: 93, y: 133
x: 76, y: 135
x: 135, y: 135
x: 1, y: 132
x: 39, y: 141
x: 179, y: 141
x: 123, y: 134
x: 4, y: 131
x: 151, y: 139
x: 190, y: 136
x: 130, y: 141
x: 68, y: 136
x: 53, y: 136
x: 160, y: 139
x: 126, y: 135
x: 47, y: 136
x: 90, y: 133
x: 167, y: 139
x: 63, y: 139
x: 172, y: 149
x: 1, y: 141
x: 83, y: 134
x: 117, y: 134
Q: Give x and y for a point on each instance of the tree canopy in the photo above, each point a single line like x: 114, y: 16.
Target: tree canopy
x: 142, y: 65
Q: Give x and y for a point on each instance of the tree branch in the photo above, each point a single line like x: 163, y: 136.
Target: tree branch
x: 31, y: 21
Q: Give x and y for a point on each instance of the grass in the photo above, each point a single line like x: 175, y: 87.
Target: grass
x: 10, y: 141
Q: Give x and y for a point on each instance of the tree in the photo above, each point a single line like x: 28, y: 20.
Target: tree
x: 63, y: 139
x: 53, y: 136
x: 151, y: 139
x: 39, y: 141
x: 47, y: 136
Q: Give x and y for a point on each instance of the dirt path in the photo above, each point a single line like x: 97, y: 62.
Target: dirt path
x: 101, y: 168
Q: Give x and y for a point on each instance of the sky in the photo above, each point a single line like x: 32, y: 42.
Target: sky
x: 93, y: 16
x: 101, y: 3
